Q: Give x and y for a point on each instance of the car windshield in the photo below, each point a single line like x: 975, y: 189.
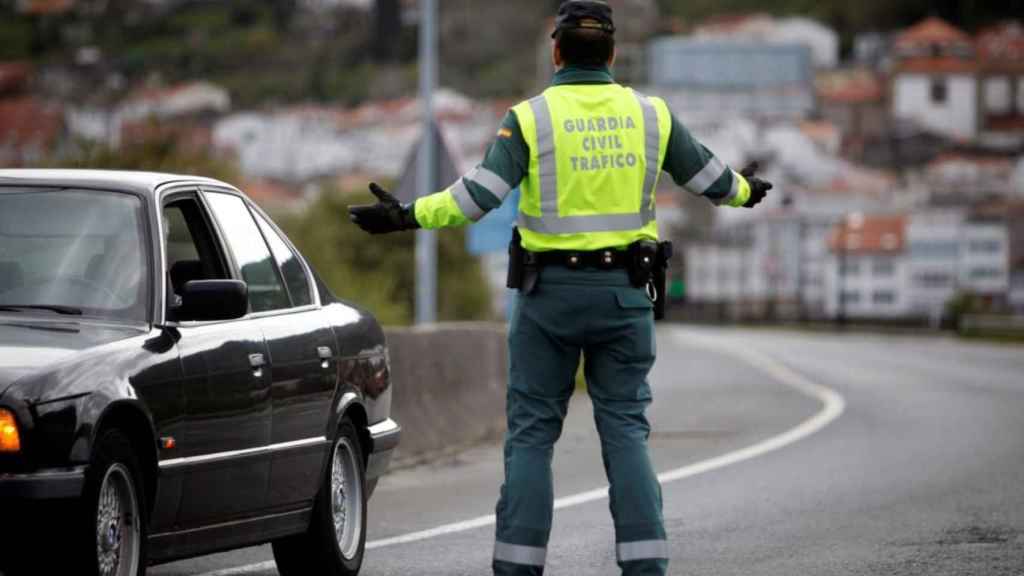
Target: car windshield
x: 73, y: 252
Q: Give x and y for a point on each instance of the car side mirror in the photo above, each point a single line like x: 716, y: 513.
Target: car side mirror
x: 210, y: 300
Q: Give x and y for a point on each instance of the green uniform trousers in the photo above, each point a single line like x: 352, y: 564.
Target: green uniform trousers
x: 598, y: 314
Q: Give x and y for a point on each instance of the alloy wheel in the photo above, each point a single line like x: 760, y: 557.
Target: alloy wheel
x: 118, y: 534
x: 346, y: 498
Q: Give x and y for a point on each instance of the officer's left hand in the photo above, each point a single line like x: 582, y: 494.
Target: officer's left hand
x: 758, y: 188
x: 388, y: 215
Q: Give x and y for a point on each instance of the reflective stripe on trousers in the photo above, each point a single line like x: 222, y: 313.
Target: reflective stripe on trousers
x: 516, y: 554
x: 643, y: 550
x: 550, y: 222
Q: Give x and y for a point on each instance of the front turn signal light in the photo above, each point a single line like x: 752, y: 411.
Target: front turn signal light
x: 10, y: 441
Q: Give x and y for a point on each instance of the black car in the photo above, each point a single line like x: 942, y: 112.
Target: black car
x: 175, y: 380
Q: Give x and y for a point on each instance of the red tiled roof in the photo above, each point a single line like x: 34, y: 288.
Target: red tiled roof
x: 850, y: 87
x: 869, y: 235
x: 45, y: 6
x: 29, y: 121
x: 932, y: 31
x: 14, y: 76
x: 934, y: 46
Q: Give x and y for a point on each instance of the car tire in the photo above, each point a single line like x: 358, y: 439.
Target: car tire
x: 111, y: 535
x: 336, y: 539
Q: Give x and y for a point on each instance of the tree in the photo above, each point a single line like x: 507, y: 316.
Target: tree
x: 378, y: 272
x: 387, y: 27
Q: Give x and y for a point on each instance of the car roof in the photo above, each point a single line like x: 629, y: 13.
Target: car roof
x: 142, y: 182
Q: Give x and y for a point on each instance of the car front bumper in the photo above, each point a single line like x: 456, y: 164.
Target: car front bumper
x: 43, y: 485
x: 384, y: 438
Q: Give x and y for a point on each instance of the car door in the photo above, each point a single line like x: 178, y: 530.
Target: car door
x: 305, y: 374
x: 226, y: 381
x: 302, y: 367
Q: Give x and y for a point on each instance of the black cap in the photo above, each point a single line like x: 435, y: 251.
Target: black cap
x: 584, y: 14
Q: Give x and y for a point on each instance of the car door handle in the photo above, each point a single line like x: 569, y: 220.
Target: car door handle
x: 257, y: 361
x: 325, y: 355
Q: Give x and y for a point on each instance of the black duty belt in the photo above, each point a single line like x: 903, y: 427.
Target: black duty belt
x: 645, y: 262
x: 573, y: 260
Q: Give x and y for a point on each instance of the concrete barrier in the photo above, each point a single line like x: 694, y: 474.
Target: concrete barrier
x: 449, y: 386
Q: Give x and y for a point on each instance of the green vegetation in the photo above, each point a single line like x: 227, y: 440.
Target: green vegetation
x: 270, y: 51
x: 157, y: 154
x: 378, y: 272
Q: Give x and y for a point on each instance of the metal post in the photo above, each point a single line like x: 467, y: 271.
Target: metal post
x: 841, y: 317
x: 426, y: 240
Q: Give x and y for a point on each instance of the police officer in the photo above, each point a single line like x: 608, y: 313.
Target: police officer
x: 587, y: 154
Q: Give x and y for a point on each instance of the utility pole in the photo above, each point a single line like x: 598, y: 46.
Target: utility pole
x: 426, y: 240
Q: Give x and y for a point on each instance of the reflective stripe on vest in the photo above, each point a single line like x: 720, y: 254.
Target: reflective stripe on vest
x: 551, y: 221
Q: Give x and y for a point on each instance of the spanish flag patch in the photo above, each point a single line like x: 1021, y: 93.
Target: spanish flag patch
x: 504, y: 133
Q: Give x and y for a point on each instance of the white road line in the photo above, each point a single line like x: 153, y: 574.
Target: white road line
x: 833, y: 406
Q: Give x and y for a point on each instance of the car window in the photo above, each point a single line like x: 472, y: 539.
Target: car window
x: 291, y: 267
x: 82, y: 250
x: 190, y: 247
x: 266, y: 291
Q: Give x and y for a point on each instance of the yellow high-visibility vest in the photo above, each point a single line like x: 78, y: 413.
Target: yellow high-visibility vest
x: 596, y: 153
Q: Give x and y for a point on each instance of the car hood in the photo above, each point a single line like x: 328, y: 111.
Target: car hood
x: 29, y: 346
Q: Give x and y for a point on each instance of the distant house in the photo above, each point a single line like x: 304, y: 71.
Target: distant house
x: 912, y: 266
x: 964, y: 178
x: 732, y: 78
x: 970, y: 89
x: 185, y: 112
x: 765, y: 29
x: 855, y: 101
x: 188, y: 99
x: 866, y: 271
x: 1001, y: 79
x: 934, y: 82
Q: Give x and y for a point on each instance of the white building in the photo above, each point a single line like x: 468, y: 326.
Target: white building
x: 962, y: 87
x: 822, y: 41
x: 771, y: 265
x: 933, y: 248
x: 985, y: 258
x: 732, y: 77
x: 935, y: 81
x: 866, y: 273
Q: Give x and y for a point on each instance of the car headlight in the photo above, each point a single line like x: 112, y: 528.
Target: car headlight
x: 10, y: 440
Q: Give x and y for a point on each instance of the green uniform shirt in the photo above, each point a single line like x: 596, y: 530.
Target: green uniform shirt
x: 508, y: 160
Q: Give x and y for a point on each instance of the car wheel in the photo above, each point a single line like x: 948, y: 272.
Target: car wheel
x: 114, y: 523
x: 336, y: 539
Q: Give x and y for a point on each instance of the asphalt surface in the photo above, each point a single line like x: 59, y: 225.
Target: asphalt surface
x: 821, y: 454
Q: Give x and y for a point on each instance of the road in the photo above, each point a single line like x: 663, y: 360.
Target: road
x: 783, y: 453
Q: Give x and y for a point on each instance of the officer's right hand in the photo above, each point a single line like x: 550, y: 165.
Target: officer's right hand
x: 758, y: 188
x: 388, y: 215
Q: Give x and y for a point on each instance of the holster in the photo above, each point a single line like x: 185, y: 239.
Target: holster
x: 660, y: 279
x: 648, y: 265
x: 522, y: 266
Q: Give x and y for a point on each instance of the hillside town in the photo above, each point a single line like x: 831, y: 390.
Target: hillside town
x: 899, y: 168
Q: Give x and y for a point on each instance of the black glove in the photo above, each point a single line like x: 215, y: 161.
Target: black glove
x: 758, y: 188
x: 386, y: 216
